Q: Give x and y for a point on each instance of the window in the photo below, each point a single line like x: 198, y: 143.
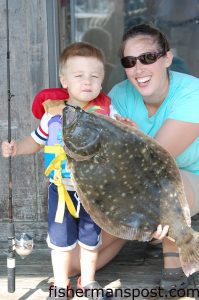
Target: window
x: 102, y: 23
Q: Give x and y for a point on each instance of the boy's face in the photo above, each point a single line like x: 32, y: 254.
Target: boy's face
x: 82, y: 77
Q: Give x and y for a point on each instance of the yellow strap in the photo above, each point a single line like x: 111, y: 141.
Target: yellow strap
x: 56, y: 149
x: 55, y: 164
x: 63, y: 195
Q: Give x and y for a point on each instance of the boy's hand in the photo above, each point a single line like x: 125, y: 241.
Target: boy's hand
x: 9, y: 149
x: 125, y: 120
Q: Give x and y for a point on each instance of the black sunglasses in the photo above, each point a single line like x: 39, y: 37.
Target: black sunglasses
x: 145, y: 58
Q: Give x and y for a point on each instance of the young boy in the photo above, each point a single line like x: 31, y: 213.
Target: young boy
x: 81, y: 73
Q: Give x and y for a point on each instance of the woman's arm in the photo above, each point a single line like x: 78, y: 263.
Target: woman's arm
x: 175, y: 136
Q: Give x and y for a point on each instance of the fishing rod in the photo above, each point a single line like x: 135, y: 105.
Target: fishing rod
x: 11, y: 229
x: 24, y: 245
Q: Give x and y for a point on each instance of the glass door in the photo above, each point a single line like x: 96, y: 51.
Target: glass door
x: 102, y: 23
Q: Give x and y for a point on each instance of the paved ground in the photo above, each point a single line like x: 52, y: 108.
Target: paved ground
x: 137, y: 267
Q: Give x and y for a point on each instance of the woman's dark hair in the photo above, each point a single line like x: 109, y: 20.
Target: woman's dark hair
x: 145, y: 30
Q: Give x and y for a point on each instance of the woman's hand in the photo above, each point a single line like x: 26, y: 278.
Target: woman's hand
x: 125, y: 120
x: 161, y: 233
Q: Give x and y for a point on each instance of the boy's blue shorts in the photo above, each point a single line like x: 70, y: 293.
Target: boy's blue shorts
x: 66, y: 235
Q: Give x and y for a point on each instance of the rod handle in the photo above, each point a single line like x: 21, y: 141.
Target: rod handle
x: 11, y: 258
x: 11, y: 274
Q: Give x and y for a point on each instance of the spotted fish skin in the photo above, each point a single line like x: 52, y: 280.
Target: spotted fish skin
x: 126, y: 181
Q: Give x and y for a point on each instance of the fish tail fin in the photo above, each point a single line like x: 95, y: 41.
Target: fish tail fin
x: 189, y: 255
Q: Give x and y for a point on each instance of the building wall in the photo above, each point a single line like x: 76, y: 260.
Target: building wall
x: 29, y: 74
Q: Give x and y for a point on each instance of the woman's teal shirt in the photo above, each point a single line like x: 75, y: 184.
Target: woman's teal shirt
x: 181, y: 103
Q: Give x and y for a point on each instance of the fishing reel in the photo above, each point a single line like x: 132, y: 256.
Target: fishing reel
x: 24, y: 245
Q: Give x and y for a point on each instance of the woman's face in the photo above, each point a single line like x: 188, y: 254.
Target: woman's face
x: 150, y: 80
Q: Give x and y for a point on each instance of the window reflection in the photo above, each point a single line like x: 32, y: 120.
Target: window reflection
x: 102, y: 23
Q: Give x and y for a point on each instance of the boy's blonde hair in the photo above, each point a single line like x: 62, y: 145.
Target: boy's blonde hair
x: 79, y: 49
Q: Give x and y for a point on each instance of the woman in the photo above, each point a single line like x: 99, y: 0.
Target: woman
x: 165, y: 105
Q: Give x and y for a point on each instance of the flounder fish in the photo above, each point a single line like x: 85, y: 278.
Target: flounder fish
x: 127, y: 182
